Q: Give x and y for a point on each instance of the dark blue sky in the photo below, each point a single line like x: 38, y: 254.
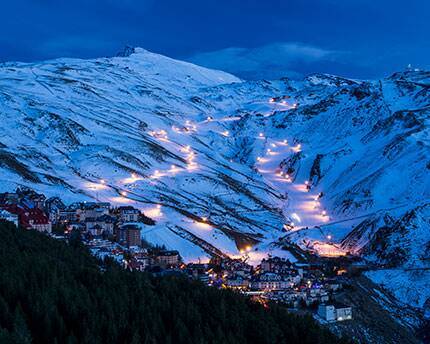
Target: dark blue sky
x: 360, y: 38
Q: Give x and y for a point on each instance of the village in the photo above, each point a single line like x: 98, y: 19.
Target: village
x: 115, y: 233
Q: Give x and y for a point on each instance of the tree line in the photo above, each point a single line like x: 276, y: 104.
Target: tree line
x: 57, y: 292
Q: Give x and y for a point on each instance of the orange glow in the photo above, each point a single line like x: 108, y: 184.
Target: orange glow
x: 157, y: 174
x: 132, y: 179
x: 301, y: 187
x: 120, y: 199
x: 160, y: 134
x: 154, y: 212
x: 328, y: 250
x: 308, y: 206
x: 174, y: 169
x: 95, y: 186
x: 203, y: 225
x: 186, y: 149
x: 192, y: 166
x: 297, y: 148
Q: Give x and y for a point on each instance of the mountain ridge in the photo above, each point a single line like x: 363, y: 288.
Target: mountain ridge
x: 185, y: 143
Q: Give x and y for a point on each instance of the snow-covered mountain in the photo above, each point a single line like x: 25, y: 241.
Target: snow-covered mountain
x: 333, y: 164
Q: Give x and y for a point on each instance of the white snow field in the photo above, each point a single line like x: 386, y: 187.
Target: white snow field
x: 227, y: 166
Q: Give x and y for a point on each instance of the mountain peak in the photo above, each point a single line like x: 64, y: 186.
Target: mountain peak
x: 126, y: 51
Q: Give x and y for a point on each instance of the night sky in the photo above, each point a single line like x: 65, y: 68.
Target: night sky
x: 357, y: 38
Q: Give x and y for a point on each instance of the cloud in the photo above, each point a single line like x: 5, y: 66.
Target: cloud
x: 270, y: 61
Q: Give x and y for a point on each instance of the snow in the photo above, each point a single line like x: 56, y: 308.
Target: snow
x: 135, y: 130
x: 411, y: 287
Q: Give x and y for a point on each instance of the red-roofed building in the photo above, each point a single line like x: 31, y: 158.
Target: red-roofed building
x: 30, y: 218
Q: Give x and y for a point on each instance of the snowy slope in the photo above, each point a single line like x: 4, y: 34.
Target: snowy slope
x: 214, y: 160
x: 133, y: 130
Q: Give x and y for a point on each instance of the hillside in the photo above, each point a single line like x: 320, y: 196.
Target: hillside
x: 334, y: 165
x: 53, y: 292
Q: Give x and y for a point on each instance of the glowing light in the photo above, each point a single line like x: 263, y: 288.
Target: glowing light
x: 209, y: 118
x: 160, y: 134
x: 329, y: 237
x: 269, y: 150
x: 301, y: 187
x: 123, y: 193
x: 132, y: 179
x: 328, y: 250
x: 102, y: 181
x: 204, y: 219
x: 192, y: 166
x: 297, y: 148
x: 324, y: 213
x: 95, y: 186
x: 185, y: 149
x: 261, y: 135
x: 225, y: 133
x: 273, y: 145
x: 174, y: 169
x: 296, y: 217
x: 285, y: 142
x: 271, y: 100
x: 120, y: 199
x: 248, y: 248
x: 203, y: 225
x: 154, y: 212
x: 306, y: 182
